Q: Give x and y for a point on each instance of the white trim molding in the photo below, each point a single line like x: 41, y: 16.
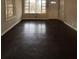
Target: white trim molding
x: 38, y: 18
x: 35, y: 18
x: 70, y: 26
x: 10, y: 28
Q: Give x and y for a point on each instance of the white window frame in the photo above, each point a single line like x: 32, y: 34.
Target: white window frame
x: 42, y: 6
x: 6, y: 10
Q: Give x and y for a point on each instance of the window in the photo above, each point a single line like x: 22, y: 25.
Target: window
x: 9, y: 8
x: 34, y: 6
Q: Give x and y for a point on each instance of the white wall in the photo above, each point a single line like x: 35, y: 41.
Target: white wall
x: 6, y: 25
x: 53, y: 9
x: 69, y: 14
x: 61, y: 10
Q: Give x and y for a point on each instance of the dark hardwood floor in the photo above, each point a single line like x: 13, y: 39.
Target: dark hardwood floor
x: 39, y: 40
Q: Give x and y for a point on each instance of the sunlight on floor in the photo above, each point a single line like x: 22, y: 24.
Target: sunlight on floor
x: 34, y: 31
x: 32, y: 28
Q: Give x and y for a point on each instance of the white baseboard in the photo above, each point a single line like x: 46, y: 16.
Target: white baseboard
x: 36, y: 18
x: 70, y: 26
x: 10, y: 28
x: 39, y: 18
